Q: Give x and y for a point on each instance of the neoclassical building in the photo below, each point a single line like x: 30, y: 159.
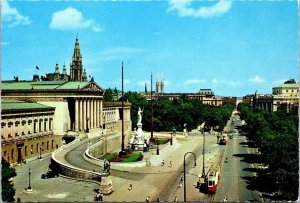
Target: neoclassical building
x: 38, y: 114
x: 284, y: 97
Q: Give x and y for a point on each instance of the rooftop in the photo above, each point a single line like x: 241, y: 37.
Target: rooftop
x: 22, y: 105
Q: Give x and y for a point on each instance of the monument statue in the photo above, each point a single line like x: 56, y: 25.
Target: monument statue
x: 140, y: 114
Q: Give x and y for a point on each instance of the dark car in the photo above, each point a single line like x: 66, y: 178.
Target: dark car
x: 49, y: 174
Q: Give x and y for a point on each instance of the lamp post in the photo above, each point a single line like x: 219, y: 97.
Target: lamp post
x: 29, y: 174
x: 171, y: 141
x: 157, y: 149
x: 184, y: 184
x: 203, y: 166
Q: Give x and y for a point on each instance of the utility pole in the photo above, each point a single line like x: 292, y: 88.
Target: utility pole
x: 151, y: 110
x: 123, y: 147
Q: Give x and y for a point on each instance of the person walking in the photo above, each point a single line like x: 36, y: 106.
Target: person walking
x: 130, y: 187
x: 101, y: 197
x: 148, y: 199
x: 176, y: 199
x: 170, y: 164
x: 158, y: 200
x: 163, y: 163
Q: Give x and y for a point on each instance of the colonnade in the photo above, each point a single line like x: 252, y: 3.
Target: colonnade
x: 88, y: 113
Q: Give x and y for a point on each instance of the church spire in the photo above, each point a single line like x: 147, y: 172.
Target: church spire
x: 76, y: 69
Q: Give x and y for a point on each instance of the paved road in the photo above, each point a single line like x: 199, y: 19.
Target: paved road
x: 232, y: 185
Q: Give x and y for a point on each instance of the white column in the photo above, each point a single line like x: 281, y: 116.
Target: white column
x: 88, y: 114
x: 92, y: 113
x: 80, y: 115
x: 98, y: 113
x: 95, y: 113
x: 84, y: 114
x: 76, y: 115
x: 101, y: 113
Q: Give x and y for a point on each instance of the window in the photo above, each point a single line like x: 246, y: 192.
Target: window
x: 23, y: 122
x: 286, y: 90
x: 23, y: 133
x: 34, y: 127
x: 50, y: 124
x: 45, y: 126
x: 40, y: 126
x: 292, y: 90
x: 16, y: 134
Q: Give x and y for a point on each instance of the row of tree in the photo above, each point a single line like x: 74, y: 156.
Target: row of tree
x: 276, y: 136
x: 169, y: 115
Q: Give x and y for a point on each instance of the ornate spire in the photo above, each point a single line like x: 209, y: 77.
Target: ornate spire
x: 56, y: 72
x: 76, y: 65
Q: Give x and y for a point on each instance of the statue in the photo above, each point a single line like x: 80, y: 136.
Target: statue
x: 140, y: 112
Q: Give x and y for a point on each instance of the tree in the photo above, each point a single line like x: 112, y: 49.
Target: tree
x: 8, y: 190
x: 108, y: 95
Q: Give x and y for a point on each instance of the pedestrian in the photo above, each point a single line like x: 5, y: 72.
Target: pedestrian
x: 225, y: 199
x: 130, y: 186
x: 176, y: 199
x: 18, y: 199
x: 163, y: 163
x: 101, y: 197
x: 97, y: 197
x: 158, y: 200
x: 170, y: 164
x: 147, y: 199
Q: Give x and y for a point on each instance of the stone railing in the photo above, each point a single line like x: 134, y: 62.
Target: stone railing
x: 70, y: 170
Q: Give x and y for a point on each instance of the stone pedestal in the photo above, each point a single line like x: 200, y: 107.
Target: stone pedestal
x: 106, y: 185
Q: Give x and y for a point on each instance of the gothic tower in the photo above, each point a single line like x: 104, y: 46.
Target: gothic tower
x: 76, y: 65
x: 56, y: 73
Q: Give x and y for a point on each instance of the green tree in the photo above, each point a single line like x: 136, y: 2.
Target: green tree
x: 8, y: 190
x: 108, y: 95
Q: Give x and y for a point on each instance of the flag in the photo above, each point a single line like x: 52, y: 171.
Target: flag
x: 37, y: 67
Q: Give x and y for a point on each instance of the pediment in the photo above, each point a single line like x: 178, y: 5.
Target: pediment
x: 93, y: 87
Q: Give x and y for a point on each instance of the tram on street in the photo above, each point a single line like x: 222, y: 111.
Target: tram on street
x: 213, y: 178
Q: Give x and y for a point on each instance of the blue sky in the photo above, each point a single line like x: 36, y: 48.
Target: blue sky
x: 232, y: 47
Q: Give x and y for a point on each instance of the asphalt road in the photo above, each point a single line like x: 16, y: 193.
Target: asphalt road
x: 232, y: 185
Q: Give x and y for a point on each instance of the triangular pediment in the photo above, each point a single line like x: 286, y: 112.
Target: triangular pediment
x: 93, y: 87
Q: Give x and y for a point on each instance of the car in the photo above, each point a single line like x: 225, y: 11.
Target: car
x: 49, y: 174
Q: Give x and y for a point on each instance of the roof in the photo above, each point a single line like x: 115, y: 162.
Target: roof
x: 15, y: 105
x: 44, y: 85
x: 290, y: 85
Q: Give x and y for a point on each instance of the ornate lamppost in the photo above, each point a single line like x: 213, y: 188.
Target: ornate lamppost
x: 203, y: 165
x: 29, y: 174
x: 157, y: 149
x: 184, y: 184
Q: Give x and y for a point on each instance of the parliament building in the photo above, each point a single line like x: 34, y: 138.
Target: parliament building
x: 38, y: 116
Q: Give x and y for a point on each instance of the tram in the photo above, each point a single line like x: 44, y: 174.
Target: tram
x: 213, y: 177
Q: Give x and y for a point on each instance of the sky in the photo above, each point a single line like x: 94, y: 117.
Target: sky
x: 231, y: 47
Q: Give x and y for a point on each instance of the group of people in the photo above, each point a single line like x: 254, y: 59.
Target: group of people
x: 98, y: 197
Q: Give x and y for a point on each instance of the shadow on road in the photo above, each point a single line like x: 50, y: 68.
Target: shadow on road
x: 249, y: 158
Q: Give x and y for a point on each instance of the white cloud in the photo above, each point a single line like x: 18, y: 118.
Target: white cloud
x: 193, y: 81
x: 70, y: 19
x: 229, y: 83
x: 12, y: 15
x: 257, y: 79
x: 184, y: 8
x: 5, y: 43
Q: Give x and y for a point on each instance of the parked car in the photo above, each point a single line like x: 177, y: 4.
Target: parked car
x: 49, y: 174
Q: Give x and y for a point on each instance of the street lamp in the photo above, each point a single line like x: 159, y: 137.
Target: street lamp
x: 171, y: 141
x: 203, y: 166
x: 29, y: 186
x: 184, y: 184
x: 157, y: 149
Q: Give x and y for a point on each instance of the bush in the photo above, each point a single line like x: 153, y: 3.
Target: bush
x: 109, y: 157
x: 133, y: 158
